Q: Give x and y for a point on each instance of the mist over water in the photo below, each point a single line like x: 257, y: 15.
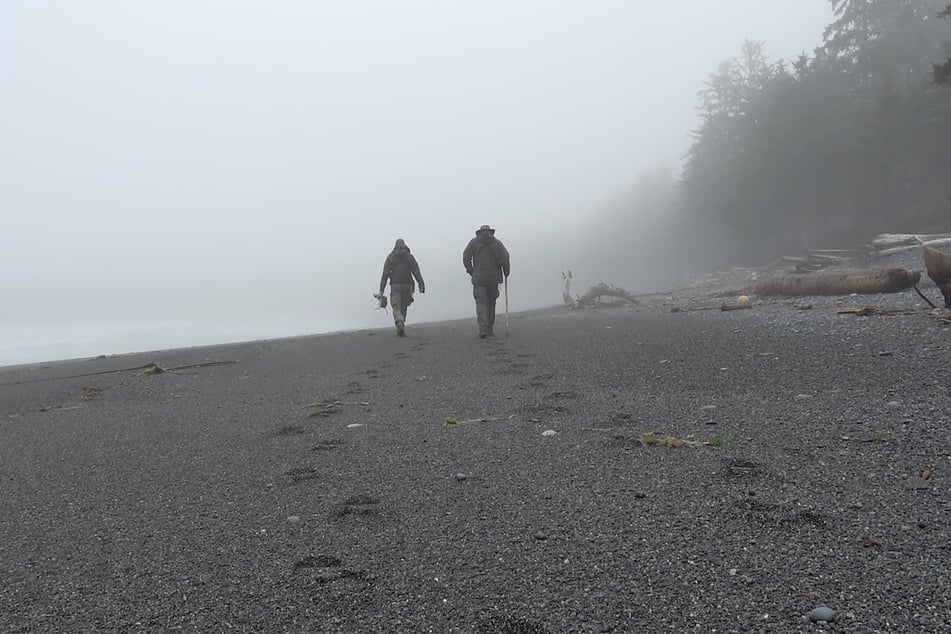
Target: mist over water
x: 184, y: 173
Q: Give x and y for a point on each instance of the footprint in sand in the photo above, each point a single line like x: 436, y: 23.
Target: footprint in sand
x: 327, y: 569
x: 761, y: 513
x: 329, y: 445
x: 287, y: 430
x: 362, y: 504
x: 354, y: 387
x: 301, y: 474
x: 318, y: 561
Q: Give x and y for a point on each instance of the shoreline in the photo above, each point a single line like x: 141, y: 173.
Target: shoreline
x: 236, y: 341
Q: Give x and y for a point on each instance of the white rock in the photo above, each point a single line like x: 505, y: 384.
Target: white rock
x: 549, y: 432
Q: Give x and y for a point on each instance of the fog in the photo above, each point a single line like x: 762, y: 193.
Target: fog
x: 191, y: 172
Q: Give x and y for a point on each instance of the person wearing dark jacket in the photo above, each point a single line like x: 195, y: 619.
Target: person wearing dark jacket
x: 487, y: 261
x: 400, y: 268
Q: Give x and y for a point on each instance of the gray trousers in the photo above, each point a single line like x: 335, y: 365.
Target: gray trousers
x: 401, y: 296
x: 485, y: 296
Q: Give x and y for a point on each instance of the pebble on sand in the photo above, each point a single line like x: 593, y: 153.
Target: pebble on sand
x: 822, y: 613
x: 549, y: 432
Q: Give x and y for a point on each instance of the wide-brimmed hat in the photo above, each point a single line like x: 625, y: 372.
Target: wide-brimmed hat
x: 485, y: 229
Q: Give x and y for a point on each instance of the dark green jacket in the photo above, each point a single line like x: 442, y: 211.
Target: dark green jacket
x: 486, y: 261
x: 400, y: 267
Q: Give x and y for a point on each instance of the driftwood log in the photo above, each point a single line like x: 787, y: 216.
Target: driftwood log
x: 938, y: 265
x: 596, y: 292
x: 838, y: 283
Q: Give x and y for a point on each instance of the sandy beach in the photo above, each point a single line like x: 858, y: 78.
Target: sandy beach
x: 602, y: 470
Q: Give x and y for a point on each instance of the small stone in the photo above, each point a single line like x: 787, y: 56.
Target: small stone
x: 885, y: 353
x: 541, y: 536
x: 733, y: 572
x: 640, y: 496
x: 293, y: 519
x: 549, y: 432
x: 822, y: 613
x: 461, y: 477
x: 352, y: 425
x: 803, y: 397
x: 708, y: 408
x: 893, y: 404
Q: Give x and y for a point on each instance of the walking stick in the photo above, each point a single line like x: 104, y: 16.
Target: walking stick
x: 506, y: 307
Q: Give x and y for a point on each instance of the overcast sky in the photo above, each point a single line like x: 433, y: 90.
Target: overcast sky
x: 200, y: 163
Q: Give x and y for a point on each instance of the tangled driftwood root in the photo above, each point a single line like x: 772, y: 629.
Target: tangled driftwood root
x: 594, y: 295
x: 598, y: 292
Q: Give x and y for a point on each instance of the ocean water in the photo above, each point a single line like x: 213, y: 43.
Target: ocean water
x: 40, y: 342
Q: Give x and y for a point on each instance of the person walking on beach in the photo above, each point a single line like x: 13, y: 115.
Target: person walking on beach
x: 401, y: 268
x: 487, y: 263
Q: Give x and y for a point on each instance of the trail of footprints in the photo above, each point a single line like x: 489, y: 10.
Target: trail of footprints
x: 328, y: 572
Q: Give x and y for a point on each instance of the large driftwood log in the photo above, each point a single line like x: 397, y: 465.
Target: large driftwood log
x: 938, y: 265
x: 838, y: 283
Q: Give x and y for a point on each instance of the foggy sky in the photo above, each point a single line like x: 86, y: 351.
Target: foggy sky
x: 228, y: 169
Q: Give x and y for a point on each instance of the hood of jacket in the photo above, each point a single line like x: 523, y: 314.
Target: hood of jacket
x: 400, y: 248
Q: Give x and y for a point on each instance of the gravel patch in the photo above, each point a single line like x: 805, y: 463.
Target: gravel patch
x: 709, y: 471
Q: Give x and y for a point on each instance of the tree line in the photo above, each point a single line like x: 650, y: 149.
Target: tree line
x: 827, y: 149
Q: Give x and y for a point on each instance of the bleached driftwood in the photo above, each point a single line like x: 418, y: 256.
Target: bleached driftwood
x: 888, y: 240
x: 901, y: 249
x: 938, y: 265
x: 596, y: 292
x: 838, y: 283
x: 566, y: 288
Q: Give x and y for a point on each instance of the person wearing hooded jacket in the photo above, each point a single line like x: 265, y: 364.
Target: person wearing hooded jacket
x: 401, y: 268
x: 487, y: 261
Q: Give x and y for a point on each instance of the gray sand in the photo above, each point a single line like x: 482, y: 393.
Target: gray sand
x: 217, y: 498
